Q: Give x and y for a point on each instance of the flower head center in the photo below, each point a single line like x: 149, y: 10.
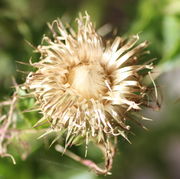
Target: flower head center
x: 87, y: 80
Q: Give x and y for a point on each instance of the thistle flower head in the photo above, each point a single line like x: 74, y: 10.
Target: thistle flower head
x: 85, y: 86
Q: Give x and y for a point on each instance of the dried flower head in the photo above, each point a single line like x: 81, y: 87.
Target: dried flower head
x: 87, y: 87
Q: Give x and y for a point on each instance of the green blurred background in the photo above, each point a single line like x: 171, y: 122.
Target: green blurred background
x: 153, y: 154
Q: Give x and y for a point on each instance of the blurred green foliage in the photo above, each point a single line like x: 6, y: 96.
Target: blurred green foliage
x: 153, y: 154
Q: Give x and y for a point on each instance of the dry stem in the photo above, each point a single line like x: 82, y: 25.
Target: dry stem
x: 89, y: 163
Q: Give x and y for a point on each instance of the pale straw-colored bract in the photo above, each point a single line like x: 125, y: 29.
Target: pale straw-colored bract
x: 87, y: 87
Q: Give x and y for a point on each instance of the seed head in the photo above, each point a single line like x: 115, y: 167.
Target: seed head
x: 85, y: 86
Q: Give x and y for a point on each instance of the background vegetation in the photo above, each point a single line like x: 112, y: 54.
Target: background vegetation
x: 152, y: 155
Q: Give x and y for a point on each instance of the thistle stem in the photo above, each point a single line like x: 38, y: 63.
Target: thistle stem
x: 89, y: 163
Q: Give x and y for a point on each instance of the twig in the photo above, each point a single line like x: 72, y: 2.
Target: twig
x: 5, y: 103
x: 90, y: 164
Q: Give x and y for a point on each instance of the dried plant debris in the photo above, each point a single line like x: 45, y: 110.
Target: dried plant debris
x: 10, y: 134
